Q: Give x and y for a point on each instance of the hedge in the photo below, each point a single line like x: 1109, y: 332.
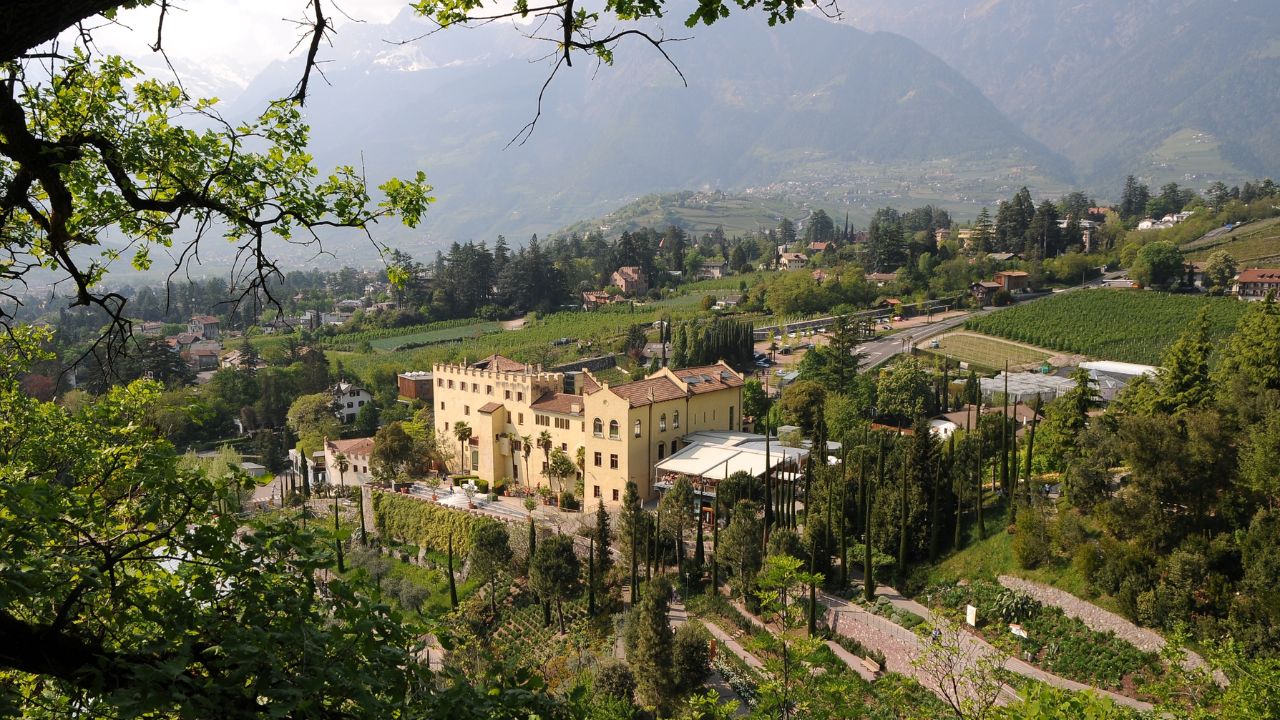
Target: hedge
x: 426, y: 524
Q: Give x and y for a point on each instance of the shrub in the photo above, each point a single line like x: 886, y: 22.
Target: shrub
x: 1013, y: 606
x: 615, y: 680
x: 568, y: 501
x: 691, y: 656
x: 1031, y: 542
x: 1069, y: 533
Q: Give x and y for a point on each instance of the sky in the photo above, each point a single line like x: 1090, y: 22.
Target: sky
x: 222, y: 44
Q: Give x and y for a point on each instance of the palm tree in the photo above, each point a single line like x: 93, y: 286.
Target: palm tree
x: 462, y: 431
x: 343, y: 466
x: 544, y: 442
x: 526, y: 448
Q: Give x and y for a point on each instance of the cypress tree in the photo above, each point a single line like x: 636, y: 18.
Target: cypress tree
x: 1004, y: 436
x: 933, y: 516
x: 813, y: 588
x: 844, y: 532
x: 602, y: 558
x: 768, y: 482
x: 1031, y: 447
x: 699, y: 554
x: 591, y: 577
x: 635, y: 556
x: 715, y: 544
x: 982, y: 530
x: 902, y: 516
x: 868, y: 571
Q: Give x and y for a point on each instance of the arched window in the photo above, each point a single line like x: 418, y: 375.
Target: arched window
x: 662, y: 450
x: 662, y: 422
x: 613, y: 429
x: 675, y: 420
x: 637, y: 433
x: 597, y: 428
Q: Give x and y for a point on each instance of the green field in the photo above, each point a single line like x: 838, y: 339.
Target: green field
x: 987, y: 352
x: 1126, y: 325
x: 597, y: 331
x: 1254, y: 245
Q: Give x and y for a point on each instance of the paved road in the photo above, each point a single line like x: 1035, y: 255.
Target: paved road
x: 881, y: 350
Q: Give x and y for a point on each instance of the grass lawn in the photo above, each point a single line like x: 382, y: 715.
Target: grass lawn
x: 988, y: 351
x: 989, y: 558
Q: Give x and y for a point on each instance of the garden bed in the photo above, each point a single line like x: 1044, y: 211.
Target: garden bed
x: 1055, y: 642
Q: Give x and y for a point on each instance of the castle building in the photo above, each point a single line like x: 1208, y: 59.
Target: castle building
x: 623, y: 430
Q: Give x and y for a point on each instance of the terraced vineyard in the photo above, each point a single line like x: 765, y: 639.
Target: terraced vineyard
x: 1126, y: 325
x: 1253, y: 245
x: 522, y: 635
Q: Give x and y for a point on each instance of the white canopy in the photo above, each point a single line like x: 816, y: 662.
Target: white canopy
x: 717, y: 455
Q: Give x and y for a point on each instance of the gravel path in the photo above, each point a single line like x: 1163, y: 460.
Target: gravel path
x: 1100, y: 620
x: 900, y: 646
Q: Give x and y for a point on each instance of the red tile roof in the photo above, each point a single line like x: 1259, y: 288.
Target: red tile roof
x: 489, y: 407
x: 500, y: 363
x: 709, y: 378
x: 1259, y: 275
x: 589, y: 384
x: 362, y: 447
x: 651, y: 390
x: 561, y: 403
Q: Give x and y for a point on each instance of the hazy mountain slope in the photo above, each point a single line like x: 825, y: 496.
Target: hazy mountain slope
x: 762, y: 105
x: 1105, y: 82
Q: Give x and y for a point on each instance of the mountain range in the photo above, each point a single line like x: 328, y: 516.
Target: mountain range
x: 945, y: 101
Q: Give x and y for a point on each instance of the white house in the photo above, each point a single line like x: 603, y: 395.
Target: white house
x: 357, y: 453
x: 348, y: 399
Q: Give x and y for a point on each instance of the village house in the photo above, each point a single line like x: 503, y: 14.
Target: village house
x: 206, y: 326
x: 623, y: 430
x: 727, y: 302
x: 151, y: 328
x: 348, y: 399
x: 817, y: 247
x: 357, y: 452
x: 712, y: 270
x: 203, y: 355
x: 1255, y: 283
x: 1014, y: 281
x: 592, y: 299
x: 880, y: 279
x: 792, y: 261
x: 984, y: 291
x: 630, y: 279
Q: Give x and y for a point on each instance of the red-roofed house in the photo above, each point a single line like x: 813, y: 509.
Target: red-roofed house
x: 630, y: 279
x: 358, y: 452
x: 1255, y: 283
x: 206, y: 326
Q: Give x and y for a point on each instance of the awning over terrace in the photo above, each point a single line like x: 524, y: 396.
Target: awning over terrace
x: 714, y: 456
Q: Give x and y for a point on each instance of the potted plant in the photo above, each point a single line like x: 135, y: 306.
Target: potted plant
x: 469, y: 489
x: 433, y: 482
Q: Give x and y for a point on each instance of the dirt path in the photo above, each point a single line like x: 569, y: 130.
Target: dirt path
x: 1100, y: 620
